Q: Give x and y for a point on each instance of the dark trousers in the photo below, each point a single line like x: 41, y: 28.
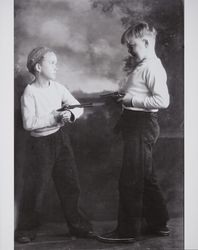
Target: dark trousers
x: 139, y: 193
x: 51, y: 156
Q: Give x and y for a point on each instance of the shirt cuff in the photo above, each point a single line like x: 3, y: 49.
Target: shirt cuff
x: 138, y: 102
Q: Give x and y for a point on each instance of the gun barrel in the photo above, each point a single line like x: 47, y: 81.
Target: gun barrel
x: 82, y: 105
x: 113, y: 94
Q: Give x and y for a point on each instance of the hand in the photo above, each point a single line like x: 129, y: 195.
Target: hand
x: 66, y: 116
x: 126, y: 100
x: 62, y: 117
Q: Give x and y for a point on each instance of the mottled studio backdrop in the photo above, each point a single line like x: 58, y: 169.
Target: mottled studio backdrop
x: 86, y: 37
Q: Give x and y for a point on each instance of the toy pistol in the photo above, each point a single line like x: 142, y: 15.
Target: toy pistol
x: 82, y: 105
x: 114, y: 95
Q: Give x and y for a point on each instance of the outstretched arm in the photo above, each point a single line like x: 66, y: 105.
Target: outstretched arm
x: 69, y: 99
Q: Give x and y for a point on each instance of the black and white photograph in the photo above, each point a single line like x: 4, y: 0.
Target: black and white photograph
x: 98, y: 125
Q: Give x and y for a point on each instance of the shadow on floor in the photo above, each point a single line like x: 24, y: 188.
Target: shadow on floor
x: 52, y: 237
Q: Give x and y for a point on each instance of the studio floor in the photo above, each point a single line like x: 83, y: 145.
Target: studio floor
x: 54, y: 237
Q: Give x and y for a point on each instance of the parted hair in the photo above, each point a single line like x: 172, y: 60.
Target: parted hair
x: 36, y: 56
x: 139, y: 30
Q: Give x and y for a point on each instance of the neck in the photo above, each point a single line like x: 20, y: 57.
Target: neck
x: 42, y: 82
x: 150, y: 54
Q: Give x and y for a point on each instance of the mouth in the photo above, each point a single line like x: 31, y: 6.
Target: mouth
x: 130, y: 51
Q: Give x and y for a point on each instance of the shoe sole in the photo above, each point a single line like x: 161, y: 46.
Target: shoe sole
x: 163, y: 233
x: 113, y: 240
x: 23, y: 240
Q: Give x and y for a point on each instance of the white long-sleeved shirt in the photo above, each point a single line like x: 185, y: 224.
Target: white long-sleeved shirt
x: 38, y: 106
x: 147, y: 86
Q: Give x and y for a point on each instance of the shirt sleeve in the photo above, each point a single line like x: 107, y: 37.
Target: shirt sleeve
x: 30, y: 120
x: 69, y: 99
x: 156, y: 81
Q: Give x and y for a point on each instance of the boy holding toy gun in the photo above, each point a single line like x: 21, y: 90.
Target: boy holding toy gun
x: 50, y: 147
x: 144, y: 94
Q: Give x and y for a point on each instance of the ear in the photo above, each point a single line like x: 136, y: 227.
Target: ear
x: 146, y: 42
x: 38, y: 67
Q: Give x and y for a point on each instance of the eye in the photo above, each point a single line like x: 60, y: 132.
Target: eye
x: 130, y: 46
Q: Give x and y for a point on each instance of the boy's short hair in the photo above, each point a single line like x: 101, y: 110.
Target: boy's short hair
x: 140, y: 30
x: 36, y: 56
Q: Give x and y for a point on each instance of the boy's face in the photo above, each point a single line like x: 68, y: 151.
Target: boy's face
x: 137, y: 48
x: 48, y: 66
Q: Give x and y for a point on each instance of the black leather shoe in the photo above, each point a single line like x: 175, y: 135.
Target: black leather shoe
x: 24, y: 237
x: 82, y: 234
x: 81, y: 228
x: 115, y: 237
x: 163, y: 231
x: 159, y: 231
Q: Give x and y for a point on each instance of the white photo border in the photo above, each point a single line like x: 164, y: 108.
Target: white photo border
x: 7, y: 125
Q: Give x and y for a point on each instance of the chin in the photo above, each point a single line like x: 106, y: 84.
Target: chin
x: 53, y: 78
